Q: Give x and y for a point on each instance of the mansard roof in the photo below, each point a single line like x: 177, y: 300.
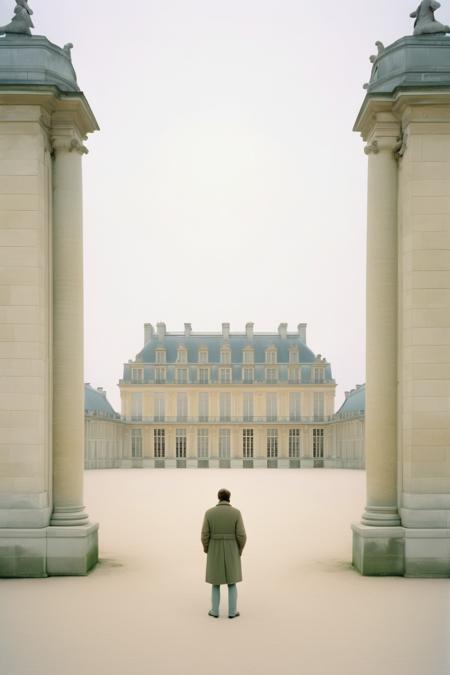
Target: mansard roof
x: 96, y: 403
x: 355, y: 402
x: 260, y: 342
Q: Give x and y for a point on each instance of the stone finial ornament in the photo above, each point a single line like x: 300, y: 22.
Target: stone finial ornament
x: 21, y: 22
x: 425, y: 23
x: 380, y: 47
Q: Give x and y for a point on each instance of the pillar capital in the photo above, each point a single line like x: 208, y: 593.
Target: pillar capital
x: 68, y: 143
x: 385, y: 136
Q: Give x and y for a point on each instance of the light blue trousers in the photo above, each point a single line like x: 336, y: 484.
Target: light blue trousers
x: 232, y: 599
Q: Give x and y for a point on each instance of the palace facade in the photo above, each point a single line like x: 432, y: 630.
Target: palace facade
x: 225, y: 400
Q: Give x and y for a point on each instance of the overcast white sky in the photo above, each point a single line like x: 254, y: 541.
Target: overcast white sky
x: 226, y: 184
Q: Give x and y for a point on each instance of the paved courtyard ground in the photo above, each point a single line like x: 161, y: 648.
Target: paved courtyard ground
x: 304, y: 611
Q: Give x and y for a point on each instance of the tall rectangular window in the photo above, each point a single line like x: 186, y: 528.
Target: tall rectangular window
x: 319, y: 405
x: 136, y: 442
x: 182, y: 407
x: 203, y: 375
x: 271, y: 408
x: 160, y: 408
x: 319, y: 375
x: 271, y: 375
x: 136, y: 406
x: 225, y: 375
x: 137, y: 375
x: 202, y: 443
x: 248, y: 375
x: 203, y: 407
x: 180, y: 443
x: 224, y: 443
x: 294, y: 375
x: 181, y: 375
x: 295, y: 406
x: 248, y: 407
x: 160, y: 375
x: 294, y: 443
x: 159, y: 443
x: 247, y: 443
x: 318, y: 443
x: 203, y: 356
x: 272, y: 443
x: 225, y: 407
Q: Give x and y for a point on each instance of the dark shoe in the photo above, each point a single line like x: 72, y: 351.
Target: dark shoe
x: 216, y: 616
x: 234, y: 616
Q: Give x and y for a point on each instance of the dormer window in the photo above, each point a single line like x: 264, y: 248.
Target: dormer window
x: 271, y: 355
x: 182, y: 355
x: 225, y: 355
x: 248, y: 356
x: 160, y: 355
x: 293, y: 355
x: 203, y: 355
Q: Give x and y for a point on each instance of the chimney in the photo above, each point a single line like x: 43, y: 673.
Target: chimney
x: 249, y: 330
x: 149, y: 332
x: 225, y: 331
x: 282, y: 330
x: 187, y: 329
x: 302, y: 332
x: 161, y: 328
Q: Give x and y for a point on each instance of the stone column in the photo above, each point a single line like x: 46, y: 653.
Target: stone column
x: 68, y: 376
x: 381, y: 325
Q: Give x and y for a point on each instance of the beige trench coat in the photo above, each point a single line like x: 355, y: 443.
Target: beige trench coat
x: 223, y: 539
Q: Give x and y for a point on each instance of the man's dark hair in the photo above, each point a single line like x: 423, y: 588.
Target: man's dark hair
x: 224, y: 495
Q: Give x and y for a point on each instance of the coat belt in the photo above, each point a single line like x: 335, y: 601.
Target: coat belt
x: 223, y: 536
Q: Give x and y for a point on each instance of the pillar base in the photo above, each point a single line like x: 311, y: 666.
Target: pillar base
x: 48, y: 551
x: 427, y: 553
x: 68, y: 516
x: 381, y: 516
x: 378, y: 551
x: 401, y: 551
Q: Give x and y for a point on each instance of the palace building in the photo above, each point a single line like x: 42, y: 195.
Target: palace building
x: 106, y: 435
x: 227, y: 399
x: 224, y: 400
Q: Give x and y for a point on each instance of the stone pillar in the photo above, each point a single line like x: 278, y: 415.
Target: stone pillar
x: 381, y: 324
x: 43, y: 528
x: 68, y: 380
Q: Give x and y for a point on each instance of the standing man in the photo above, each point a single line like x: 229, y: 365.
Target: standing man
x: 223, y: 539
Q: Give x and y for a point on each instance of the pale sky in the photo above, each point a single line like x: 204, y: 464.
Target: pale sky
x: 226, y: 184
